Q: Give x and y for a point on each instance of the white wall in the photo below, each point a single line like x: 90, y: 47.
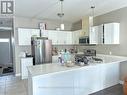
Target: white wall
x: 31, y: 23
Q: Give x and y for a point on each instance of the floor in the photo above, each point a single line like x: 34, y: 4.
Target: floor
x: 10, y: 85
x: 114, y: 90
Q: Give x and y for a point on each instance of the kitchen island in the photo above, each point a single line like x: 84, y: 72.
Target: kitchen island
x: 54, y: 79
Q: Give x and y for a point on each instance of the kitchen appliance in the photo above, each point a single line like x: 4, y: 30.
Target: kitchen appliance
x: 41, y: 50
x: 81, y: 60
x: 89, y: 52
x: 88, y: 57
x: 84, y: 40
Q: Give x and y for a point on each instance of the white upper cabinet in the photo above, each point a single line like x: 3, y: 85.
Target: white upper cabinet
x: 75, y: 36
x: 24, y: 35
x: 44, y: 33
x: 62, y: 35
x: 111, y: 33
x: 69, y: 38
x: 35, y: 32
x: 96, y: 35
x: 57, y: 37
x: 52, y: 35
x: 105, y: 34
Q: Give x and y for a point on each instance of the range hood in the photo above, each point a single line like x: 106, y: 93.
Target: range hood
x: 87, y: 23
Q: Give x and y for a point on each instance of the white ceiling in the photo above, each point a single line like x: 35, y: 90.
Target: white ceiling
x: 74, y: 9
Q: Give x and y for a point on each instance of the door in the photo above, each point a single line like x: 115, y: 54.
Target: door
x: 5, y: 58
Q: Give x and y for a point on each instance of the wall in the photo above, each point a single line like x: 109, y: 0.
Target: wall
x: 114, y: 16
x: 77, y: 25
x: 31, y: 23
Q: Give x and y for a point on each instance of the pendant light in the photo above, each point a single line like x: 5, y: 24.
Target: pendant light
x: 92, y: 13
x: 93, y: 7
x: 92, y: 16
x: 61, y: 14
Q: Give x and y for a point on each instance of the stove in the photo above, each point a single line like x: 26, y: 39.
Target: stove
x: 81, y: 59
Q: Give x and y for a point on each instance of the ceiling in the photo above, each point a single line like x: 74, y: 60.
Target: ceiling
x: 74, y: 9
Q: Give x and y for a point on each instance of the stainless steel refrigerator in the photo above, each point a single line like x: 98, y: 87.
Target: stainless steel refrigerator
x: 41, y: 50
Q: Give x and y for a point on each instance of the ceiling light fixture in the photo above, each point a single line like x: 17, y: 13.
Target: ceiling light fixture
x: 61, y: 14
x: 93, y: 7
x: 92, y: 13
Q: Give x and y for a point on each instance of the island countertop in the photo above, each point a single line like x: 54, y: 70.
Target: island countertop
x: 53, y: 68
x: 54, y: 79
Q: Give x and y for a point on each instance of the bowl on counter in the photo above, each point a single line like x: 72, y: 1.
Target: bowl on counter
x: 69, y: 64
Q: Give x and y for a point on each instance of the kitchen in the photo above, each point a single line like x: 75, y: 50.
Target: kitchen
x: 117, y: 16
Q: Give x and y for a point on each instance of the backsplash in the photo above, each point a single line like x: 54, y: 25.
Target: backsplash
x: 62, y: 47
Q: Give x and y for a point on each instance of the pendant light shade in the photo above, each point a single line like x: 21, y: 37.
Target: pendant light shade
x: 62, y: 26
x: 61, y: 14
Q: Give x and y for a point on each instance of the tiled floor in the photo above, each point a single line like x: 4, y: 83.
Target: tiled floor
x: 10, y: 85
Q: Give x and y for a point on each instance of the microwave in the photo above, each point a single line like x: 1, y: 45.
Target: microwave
x: 84, y: 40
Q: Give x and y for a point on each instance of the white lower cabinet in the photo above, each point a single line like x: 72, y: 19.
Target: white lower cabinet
x: 87, y: 81
x: 55, y: 59
x: 24, y: 63
x: 110, y: 74
x: 80, y: 81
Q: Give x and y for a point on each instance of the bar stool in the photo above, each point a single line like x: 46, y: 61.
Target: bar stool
x: 125, y: 86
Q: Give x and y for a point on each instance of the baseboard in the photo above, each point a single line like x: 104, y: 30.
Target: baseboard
x: 17, y: 75
x: 121, y: 82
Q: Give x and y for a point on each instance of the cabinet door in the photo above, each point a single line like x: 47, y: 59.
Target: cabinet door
x: 87, y: 80
x: 62, y: 35
x: 110, y: 74
x: 111, y: 33
x: 55, y: 59
x: 25, y: 62
x: 35, y: 32
x: 44, y: 33
x: 24, y: 36
x: 69, y: 38
x: 76, y: 36
x: 96, y: 35
x: 53, y: 36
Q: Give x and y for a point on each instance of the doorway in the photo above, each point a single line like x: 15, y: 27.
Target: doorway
x: 6, y: 48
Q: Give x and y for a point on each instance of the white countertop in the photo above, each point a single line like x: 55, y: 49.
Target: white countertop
x: 53, y: 68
